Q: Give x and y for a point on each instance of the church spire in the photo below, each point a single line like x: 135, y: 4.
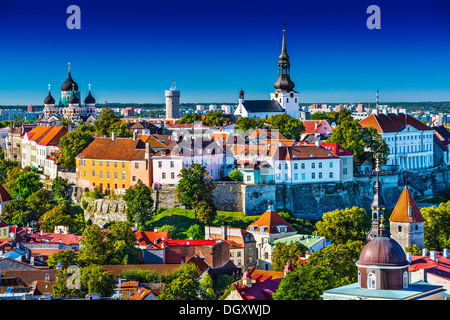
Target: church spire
x: 378, y: 208
x: 284, y: 82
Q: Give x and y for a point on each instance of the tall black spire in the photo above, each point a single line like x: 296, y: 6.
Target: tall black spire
x: 284, y: 82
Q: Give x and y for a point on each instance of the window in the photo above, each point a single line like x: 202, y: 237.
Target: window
x: 80, y: 162
x: 172, y: 175
x: 344, y: 171
x: 93, y: 162
x: 330, y: 175
x: 115, y: 164
x: 123, y: 164
x: 320, y: 165
x: 295, y: 166
x: 85, y: 173
x: 172, y: 164
x: 405, y: 279
x: 313, y: 165
x: 115, y: 175
x: 160, y: 164
x: 134, y: 178
x: 303, y: 176
x: 100, y: 163
x: 249, y: 177
x: 163, y: 176
x: 107, y: 163
x: 399, y: 228
x: 313, y: 175
x: 331, y: 165
x: 123, y: 175
x: 101, y: 175
x: 371, y: 281
x: 136, y: 165
x: 303, y: 166
x: 295, y: 176
x: 285, y: 166
x: 320, y: 175
x: 93, y: 173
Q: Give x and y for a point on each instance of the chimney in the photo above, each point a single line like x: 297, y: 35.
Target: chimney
x: 190, y: 238
x: 424, y: 252
x: 445, y: 253
x: 408, y: 256
x: 41, y: 233
x: 155, y: 229
x: 113, y: 136
x: 32, y: 261
x: 433, y: 255
x: 134, y: 135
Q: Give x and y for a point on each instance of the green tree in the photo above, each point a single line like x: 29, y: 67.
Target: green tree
x: 344, y: 225
x: 195, y: 185
x: 308, y: 282
x: 206, y: 211
x: 246, y: 124
x: 139, y: 203
x: 183, y: 284
x: 71, y: 145
x: 104, y: 121
x: 189, y: 118
x: 214, y: 119
x: 95, y: 279
x: 60, y: 215
x: 414, y: 249
x: 16, y: 212
x: 287, y: 253
x: 437, y: 226
x: 39, y: 203
x: 223, y: 282
x: 26, y: 184
x: 6, y: 165
x: 288, y: 126
x: 121, y: 242
x: 236, y: 175
x: 60, y: 289
x: 121, y: 129
x: 66, y: 257
x: 195, y: 231
x: 94, y: 247
x: 207, y: 288
x: 60, y: 188
x: 341, y: 259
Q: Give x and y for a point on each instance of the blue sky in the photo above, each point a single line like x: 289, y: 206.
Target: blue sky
x: 131, y: 50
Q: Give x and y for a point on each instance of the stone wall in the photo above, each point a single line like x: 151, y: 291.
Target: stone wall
x: 102, y: 211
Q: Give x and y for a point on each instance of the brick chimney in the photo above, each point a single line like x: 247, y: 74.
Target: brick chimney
x: 113, y: 136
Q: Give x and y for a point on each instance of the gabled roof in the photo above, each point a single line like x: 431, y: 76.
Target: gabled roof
x: 37, y: 132
x: 336, y: 149
x: 253, y: 106
x: 392, y: 122
x: 53, y: 136
x: 146, y: 238
x: 440, y: 268
x: 104, y: 148
x: 401, y: 212
x: 270, y: 219
x: 303, y: 152
x: 314, y: 126
x: 154, y: 143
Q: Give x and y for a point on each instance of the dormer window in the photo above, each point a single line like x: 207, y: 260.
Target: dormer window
x: 253, y: 228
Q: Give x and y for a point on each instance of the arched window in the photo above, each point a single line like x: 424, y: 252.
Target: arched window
x: 405, y: 279
x: 359, y: 279
x: 371, y: 281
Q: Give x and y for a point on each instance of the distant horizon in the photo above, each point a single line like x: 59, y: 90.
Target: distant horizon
x: 211, y: 50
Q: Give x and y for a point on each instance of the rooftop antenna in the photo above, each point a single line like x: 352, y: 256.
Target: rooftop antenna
x: 377, y: 99
x: 173, y: 86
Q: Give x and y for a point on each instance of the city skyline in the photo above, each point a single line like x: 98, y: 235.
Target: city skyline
x: 131, y: 53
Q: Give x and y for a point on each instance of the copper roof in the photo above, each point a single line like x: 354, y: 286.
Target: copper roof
x: 401, y: 212
x: 118, y: 149
x: 383, y: 251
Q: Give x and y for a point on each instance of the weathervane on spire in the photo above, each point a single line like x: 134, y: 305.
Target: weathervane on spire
x: 69, y: 66
x: 173, y: 86
x: 284, y: 25
x: 49, y: 87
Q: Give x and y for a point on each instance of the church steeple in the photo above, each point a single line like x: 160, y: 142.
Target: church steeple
x: 378, y: 208
x: 284, y: 82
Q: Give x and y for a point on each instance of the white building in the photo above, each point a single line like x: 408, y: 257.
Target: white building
x: 410, y: 141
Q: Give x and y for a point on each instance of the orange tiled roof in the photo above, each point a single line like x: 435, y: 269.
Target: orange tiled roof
x: 270, y: 219
x: 37, y: 132
x: 400, y: 213
x: 52, y: 137
x: 141, y: 295
x: 154, y: 143
x: 392, y: 122
x: 118, y: 149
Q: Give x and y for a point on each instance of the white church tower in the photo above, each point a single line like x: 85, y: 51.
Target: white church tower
x: 284, y: 87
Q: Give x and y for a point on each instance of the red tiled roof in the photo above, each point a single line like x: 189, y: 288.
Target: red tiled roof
x: 336, y: 149
x: 190, y: 242
x: 310, y: 126
x: 148, y: 237
x: 118, y: 149
x: 270, y: 219
x: 392, y: 122
x: 303, y: 152
x: 439, y: 269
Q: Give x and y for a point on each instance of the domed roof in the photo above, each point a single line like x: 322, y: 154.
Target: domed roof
x: 69, y: 84
x: 89, y: 99
x: 49, y: 99
x: 74, y: 99
x: 382, y: 251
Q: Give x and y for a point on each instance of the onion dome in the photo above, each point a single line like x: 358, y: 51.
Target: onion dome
x: 73, y: 98
x: 382, y: 251
x: 89, y: 99
x: 284, y: 82
x: 69, y: 84
x: 49, y: 99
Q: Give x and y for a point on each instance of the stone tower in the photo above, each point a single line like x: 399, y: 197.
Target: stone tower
x: 172, y: 102
x: 407, y: 222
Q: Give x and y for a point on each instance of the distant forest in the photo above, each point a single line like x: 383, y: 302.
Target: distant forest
x: 437, y: 106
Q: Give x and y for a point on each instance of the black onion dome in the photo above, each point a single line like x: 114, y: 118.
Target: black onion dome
x: 69, y: 84
x: 89, y: 99
x: 49, y: 99
x: 74, y: 99
x: 383, y: 251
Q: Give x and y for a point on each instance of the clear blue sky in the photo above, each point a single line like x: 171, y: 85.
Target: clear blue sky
x: 131, y: 50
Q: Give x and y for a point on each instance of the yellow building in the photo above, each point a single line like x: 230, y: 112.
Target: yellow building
x: 4, y: 230
x: 115, y: 163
